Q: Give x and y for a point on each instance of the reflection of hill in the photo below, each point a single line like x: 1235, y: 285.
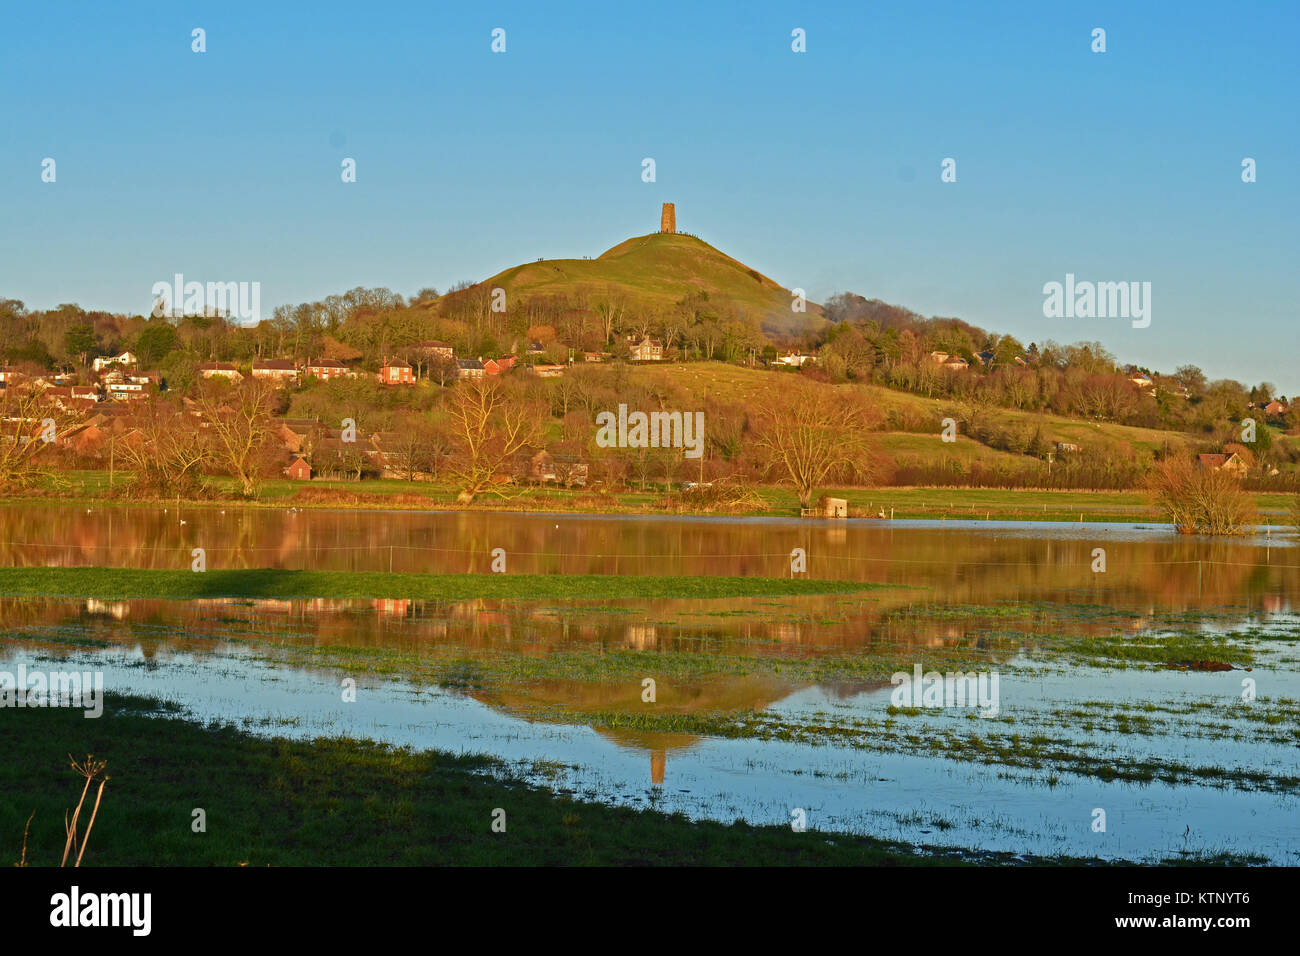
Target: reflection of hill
x: 566, y: 701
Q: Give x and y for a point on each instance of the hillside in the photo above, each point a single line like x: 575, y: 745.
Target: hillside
x: 918, y: 439
x: 653, y: 272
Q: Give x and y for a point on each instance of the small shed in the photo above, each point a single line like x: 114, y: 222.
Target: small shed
x: 834, y: 508
x: 299, y: 470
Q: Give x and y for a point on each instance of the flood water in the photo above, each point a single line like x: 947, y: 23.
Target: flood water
x: 536, y: 682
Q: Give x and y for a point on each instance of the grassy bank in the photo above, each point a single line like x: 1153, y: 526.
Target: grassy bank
x: 386, y: 494
x: 340, y: 802
x: 123, y: 583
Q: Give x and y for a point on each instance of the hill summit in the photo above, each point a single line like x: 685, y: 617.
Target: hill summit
x: 652, y: 273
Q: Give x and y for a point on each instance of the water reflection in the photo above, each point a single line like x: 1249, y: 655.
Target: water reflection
x: 972, y: 562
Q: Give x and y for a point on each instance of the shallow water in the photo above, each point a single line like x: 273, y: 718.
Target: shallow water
x: 1013, y: 597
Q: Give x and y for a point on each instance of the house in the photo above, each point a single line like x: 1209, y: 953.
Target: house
x: 570, y: 472
x: 1275, y: 409
x: 469, y: 368
x: 396, y: 372
x: 536, y: 348
x: 647, y: 350
x: 949, y: 361
x: 565, y: 470
x: 85, y: 394
x: 392, y: 455
x: 298, y: 469
x: 84, y: 439
x: 548, y: 371
x: 541, y: 467
x: 9, y: 374
x: 595, y: 356
x: 326, y: 369
x: 126, y: 391
x: 226, y: 369
x: 1068, y: 447
x: 104, y: 361
x: 294, y: 433
x: 432, y: 348
x: 794, y: 360
x: 62, y: 397
x: 986, y: 357
x: 282, y: 371
x: 497, y: 366
x: 1233, y: 463
x: 1141, y: 381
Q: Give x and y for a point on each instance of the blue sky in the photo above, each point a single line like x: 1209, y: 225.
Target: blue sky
x: 819, y: 169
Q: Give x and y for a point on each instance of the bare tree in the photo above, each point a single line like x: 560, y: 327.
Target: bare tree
x: 811, y: 433
x: 29, y: 422
x: 489, y: 426
x: 610, y: 308
x: 1200, y: 500
x: 239, y: 419
x: 164, y: 449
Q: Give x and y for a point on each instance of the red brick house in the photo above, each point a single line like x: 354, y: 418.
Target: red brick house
x: 299, y: 470
x: 397, y: 372
x: 326, y: 369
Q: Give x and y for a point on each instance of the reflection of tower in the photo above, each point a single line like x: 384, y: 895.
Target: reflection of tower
x: 668, y: 221
x: 658, y: 763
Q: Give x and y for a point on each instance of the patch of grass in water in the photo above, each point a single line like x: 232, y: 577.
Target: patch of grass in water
x: 127, y: 583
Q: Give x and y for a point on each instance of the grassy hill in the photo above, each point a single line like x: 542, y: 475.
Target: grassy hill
x: 743, y: 387
x: 653, y: 272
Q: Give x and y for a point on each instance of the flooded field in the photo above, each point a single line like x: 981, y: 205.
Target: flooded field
x: 1123, y: 669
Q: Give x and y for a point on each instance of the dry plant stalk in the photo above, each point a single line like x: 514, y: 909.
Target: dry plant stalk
x: 22, y: 860
x: 90, y: 768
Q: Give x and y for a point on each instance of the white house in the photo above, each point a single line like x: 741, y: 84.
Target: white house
x: 104, y: 361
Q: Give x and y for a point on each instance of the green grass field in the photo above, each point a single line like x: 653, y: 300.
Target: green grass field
x: 998, y: 504
x: 344, y: 802
x: 125, y: 583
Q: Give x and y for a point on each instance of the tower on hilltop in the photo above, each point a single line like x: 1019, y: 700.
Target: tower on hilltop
x: 668, y: 221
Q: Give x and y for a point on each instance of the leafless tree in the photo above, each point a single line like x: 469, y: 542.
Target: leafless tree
x: 29, y: 424
x: 810, y: 434
x: 238, y: 417
x: 489, y: 426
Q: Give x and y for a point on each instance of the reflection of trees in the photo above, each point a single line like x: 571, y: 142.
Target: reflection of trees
x: 954, y: 565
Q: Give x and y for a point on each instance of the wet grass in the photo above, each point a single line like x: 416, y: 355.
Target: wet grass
x: 344, y: 802
x: 126, y: 583
x: 1031, y: 750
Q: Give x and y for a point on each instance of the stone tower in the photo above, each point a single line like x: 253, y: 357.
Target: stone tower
x: 668, y: 221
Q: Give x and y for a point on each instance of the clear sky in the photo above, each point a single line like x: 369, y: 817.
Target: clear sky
x: 820, y: 169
